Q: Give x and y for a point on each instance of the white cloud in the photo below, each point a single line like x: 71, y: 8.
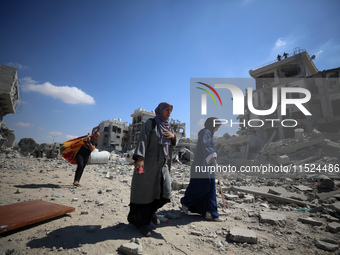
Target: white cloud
x: 69, y: 95
x: 22, y: 124
x: 280, y: 43
x: 318, y: 54
x: 55, y: 133
x: 17, y: 66
x: 69, y: 137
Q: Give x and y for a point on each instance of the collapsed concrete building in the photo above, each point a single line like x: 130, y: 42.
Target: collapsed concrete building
x: 118, y: 135
x: 8, y: 102
x: 114, y: 135
x: 295, y: 70
x: 50, y: 150
x: 139, y: 117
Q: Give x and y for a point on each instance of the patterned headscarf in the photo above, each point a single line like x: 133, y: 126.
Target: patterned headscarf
x: 163, y: 124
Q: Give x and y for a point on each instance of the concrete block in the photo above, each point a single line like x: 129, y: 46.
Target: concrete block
x: 249, y: 199
x: 231, y: 197
x: 326, y: 246
x: 310, y: 221
x: 333, y: 227
x: 131, y: 249
x: 283, y: 160
x: 240, y: 235
x: 273, y: 218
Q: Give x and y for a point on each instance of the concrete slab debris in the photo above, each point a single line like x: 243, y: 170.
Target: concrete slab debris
x: 267, y: 195
x: 240, y: 235
x: 303, y: 188
x: 333, y: 227
x: 132, y: 248
x: 325, y: 245
x: 310, y: 221
x: 273, y: 218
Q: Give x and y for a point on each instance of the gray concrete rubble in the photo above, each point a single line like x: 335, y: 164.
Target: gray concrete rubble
x: 290, y: 208
x: 240, y: 235
x: 134, y: 247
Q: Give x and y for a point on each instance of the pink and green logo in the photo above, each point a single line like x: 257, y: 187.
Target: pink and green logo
x: 209, y: 93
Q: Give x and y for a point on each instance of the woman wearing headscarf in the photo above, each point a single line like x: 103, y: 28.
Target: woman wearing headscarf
x: 150, y: 186
x: 200, y: 196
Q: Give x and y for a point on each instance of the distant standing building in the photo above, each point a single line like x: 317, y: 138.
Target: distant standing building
x: 114, y: 135
x: 117, y: 135
x: 139, y: 117
x: 297, y: 70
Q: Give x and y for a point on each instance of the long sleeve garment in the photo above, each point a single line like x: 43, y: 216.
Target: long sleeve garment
x: 200, y: 196
x: 155, y: 181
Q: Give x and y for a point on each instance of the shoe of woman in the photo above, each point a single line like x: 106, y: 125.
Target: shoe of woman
x: 76, y: 183
x: 155, y: 219
x: 185, y: 209
x: 145, y: 230
x: 209, y: 217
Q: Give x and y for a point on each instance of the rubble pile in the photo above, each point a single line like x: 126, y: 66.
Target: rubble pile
x: 265, y: 213
x: 298, y: 150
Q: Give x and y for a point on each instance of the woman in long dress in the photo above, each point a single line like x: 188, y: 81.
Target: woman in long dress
x: 150, y: 186
x: 200, y: 196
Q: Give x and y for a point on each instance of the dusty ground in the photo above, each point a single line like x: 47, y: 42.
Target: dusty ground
x: 99, y: 225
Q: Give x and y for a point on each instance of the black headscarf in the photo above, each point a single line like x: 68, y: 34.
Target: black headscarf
x: 209, y: 124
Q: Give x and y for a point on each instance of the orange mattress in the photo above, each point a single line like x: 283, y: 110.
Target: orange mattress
x: 22, y: 214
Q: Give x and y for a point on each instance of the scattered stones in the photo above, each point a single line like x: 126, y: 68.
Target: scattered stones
x: 310, y: 221
x: 240, y: 235
x: 326, y: 245
x: 250, y: 219
x: 196, y: 233
x: 57, y: 195
x: 273, y: 218
x: 333, y: 227
x: 132, y: 248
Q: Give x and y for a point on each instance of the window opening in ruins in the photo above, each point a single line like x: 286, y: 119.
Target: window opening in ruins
x: 316, y: 109
x: 268, y: 96
x: 106, y: 129
x: 291, y: 70
x: 333, y: 85
x: 336, y: 107
x: 312, y: 87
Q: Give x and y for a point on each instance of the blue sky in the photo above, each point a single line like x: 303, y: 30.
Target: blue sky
x: 82, y: 62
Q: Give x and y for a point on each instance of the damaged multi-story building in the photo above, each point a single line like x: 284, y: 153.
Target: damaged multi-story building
x: 141, y: 115
x: 8, y: 102
x: 296, y: 70
x: 114, y: 135
x: 118, y: 135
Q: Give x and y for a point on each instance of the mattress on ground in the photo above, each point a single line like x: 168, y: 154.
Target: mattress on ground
x: 22, y: 214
